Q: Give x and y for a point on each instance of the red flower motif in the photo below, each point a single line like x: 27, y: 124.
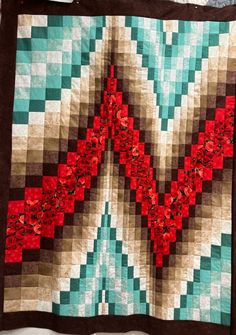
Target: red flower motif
x: 209, y: 146
x: 37, y: 229
x: 44, y: 208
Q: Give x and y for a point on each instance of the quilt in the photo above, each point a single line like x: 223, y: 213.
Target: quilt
x: 117, y: 167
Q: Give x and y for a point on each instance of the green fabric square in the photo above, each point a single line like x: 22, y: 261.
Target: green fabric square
x: 74, y: 298
x: 82, y: 284
x: 64, y: 298
x: 205, y: 263
x: 124, y: 260
x: 191, y: 76
x: 55, y: 33
x: 55, y: 20
x: 225, y: 319
x: 21, y: 105
x: 205, y: 315
x: 175, y: 38
x: 90, y: 270
x: 85, y: 46
x: 196, y: 276
x: 190, y: 288
x: 205, y: 276
x: 168, y: 51
x: 189, y: 301
x: 54, y: 82
x: 90, y: 258
x: 112, y: 246
x: 55, y: 308
x: 215, y: 316
x: 184, y: 89
x: 226, y: 266
x: 65, y: 310
x: 66, y: 82
x: 164, y: 124
x: 213, y: 39
x: 92, y: 45
x: 39, y: 32
x: 226, y: 253
x: 225, y: 292
x: 39, y: 44
x: 136, y: 284
x: 215, y: 304
x: 99, y: 33
x: 66, y: 70
x: 53, y: 94
x: 145, y: 62
x: 151, y: 74
x: 198, y: 64
x: 24, y: 44
x: 183, y: 301
x: 76, y: 56
x: 85, y: 58
x: 223, y: 27
x: 67, y: 21
x: 113, y: 234
x: 183, y: 313
x: 167, y: 64
x: 20, y: 118
x: 205, y: 52
x: 226, y: 240
x: 225, y: 305
x: 181, y: 26
x: 195, y: 301
x: 118, y: 247
x: 176, y: 314
x: 83, y: 271
x: 37, y: 106
x: 216, y: 251
x: 178, y: 99
x: 111, y: 308
x: 130, y: 272
x: 128, y: 21
x: 74, y: 284
x: 37, y: 93
x: 76, y: 71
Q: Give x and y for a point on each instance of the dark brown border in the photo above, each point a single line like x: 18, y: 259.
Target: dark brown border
x: 111, y: 324
x: 8, y: 30
x: 145, y: 8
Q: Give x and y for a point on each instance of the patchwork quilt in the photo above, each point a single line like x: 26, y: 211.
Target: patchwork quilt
x: 117, y: 167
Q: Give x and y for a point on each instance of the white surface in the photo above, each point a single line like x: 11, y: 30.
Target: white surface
x: 35, y: 331
x: 68, y: 1
x: 216, y: 3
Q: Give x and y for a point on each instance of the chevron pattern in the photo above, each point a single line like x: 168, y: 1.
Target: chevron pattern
x: 122, y: 151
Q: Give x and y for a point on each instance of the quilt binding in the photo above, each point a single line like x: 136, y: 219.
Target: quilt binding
x: 8, y: 30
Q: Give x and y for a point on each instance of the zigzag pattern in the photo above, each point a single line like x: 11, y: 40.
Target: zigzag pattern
x: 121, y: 168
